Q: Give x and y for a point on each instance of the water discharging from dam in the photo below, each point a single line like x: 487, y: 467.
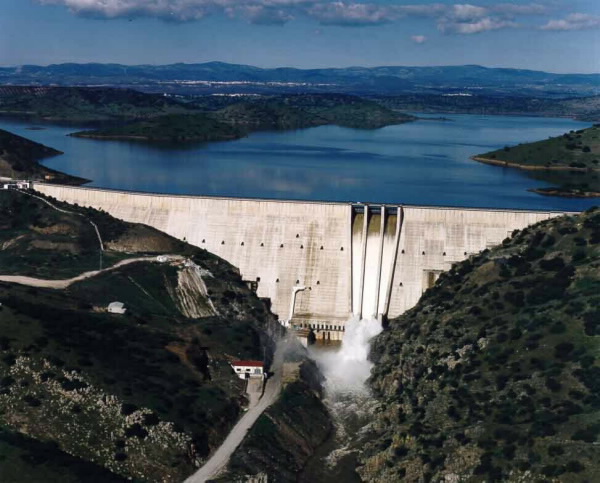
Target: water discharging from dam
x: 346, y: 370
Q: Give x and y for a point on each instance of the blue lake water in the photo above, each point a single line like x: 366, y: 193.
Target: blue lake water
x: 424, y: 162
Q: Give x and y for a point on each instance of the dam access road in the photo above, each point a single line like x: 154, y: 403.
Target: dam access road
x: 218, y: 461
x: 319, y: 263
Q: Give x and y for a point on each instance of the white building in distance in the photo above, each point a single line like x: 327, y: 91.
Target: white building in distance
x: 116, y: 308
x: 247, y: 369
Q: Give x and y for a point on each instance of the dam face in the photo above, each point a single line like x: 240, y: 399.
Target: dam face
x: 319, y: 263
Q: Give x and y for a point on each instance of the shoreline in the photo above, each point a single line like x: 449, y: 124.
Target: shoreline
x: 148, y: 139
x: 557, y: 192
x: 529, y: 167
x: 564, y: 193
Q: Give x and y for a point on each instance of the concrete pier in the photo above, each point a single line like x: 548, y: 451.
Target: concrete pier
x: 353, y: 259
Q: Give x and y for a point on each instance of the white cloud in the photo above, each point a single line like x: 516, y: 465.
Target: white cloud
x: 419, y: 39
x: 466, y: 12
x: 261, y: 15
x: 515, y: 9
x: 353, y: 14
x: 484, y: 24
x: 465, y: 19
x: 459, y: 18
x: 422, y: 10
x: 574, y: 21
x: 184, y: 10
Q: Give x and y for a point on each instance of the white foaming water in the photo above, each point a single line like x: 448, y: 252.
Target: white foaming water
x: 346, y: 370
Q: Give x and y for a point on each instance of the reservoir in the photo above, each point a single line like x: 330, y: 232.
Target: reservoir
x: 422, y: 163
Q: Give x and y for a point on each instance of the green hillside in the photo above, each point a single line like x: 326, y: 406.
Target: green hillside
x: 581, y: 108
x: 238, y: 119
x: 39, y: 240
x: 146, y: 395
x: 79, y: 105
x: 570, y: 161
x: 494, y: 375
x: 19, y: 158
x: 171, y: 128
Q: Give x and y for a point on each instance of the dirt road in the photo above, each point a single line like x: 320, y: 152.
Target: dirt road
x: 217, y: 463
x: 62, y: 284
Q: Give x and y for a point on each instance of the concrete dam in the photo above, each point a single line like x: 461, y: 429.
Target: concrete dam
x: 319, y: 263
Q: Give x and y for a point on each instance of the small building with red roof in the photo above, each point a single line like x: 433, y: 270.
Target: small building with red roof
x: 248, y: 368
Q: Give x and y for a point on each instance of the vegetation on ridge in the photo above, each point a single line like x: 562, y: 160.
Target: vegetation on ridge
x: 19, y: 159
x: 240, y: 118
x: 84, y: 105
x: 171, y: 128
x: 494, y: 375
x: 570, y: 161
x: 146, y: 395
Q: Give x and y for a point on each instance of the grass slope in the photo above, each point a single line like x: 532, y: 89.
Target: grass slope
x: 494, y: 375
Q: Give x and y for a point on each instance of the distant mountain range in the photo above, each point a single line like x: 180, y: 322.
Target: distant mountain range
x: 223, y: 78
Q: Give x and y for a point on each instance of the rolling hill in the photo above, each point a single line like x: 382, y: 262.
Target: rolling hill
x: 494, y: 375
x: 88, y: 395
x: 220, y: 77
x: 570, y: 161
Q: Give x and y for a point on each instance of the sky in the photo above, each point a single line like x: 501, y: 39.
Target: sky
x: 550, y: 35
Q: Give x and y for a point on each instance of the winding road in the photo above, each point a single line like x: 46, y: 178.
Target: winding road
x: 218, y: 461
x: 62, y: 284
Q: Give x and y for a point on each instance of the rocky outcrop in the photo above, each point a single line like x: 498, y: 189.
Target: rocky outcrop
x: 191, y: 294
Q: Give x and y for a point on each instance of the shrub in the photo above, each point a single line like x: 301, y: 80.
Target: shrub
x: 553, y: 470
x: 515, y: 333
x: 120, y: 456
x: 592, y: 322
x: 555, y: 450
x: 515, y: 298
x: 32, y: 401
x: 151, y: 419
x: 509, y: 451
x: 136, y: 430
x: 127, y: 409
x: 574, y: 467
x: 553, y: 384
x: 587, y: 435
x: 558, y: 328
x: 563, y: 351
x: 554, y: 264
x: 400, y: 451
x: 567, y: 230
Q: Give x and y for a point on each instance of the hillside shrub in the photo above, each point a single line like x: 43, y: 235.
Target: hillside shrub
x: 563, y: 351
x: 574, y: 466
x: 136, y: 430
x: 554, y: 264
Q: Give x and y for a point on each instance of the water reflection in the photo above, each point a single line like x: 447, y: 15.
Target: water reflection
x: 425, y: 162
